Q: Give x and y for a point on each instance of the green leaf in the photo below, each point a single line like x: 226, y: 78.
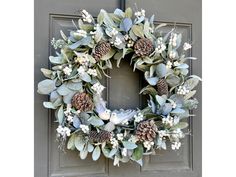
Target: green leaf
x: 172, y: 80
x: 129, y: 145
x: 138, y: 152
x: 160, y: 99
x: 74, y: 85
x: 138, y: 30
x: 95, y: 121
x: 108, y: 55
x: 46, y: 86
x: 90, y: 147
x: 46, y: 72
x: 191, y: 83
x: 57, y: 60
x: 161, y: 70
x: 83, y: 154
x: 146, y: 29
x: 48, y: 105
x: 79, y: 143
x: 60, y: 115
x: 180, y: 125
x: 128, y: 12
x: 96, y: 153
x: 71, y: 142
x: 148, y: 90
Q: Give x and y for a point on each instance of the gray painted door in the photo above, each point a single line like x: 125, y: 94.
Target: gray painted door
x: 53, y: 15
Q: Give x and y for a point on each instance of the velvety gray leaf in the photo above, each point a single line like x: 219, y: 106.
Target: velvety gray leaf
x: 112, y: 152
x: 129, y: 145
x: 67, y: 98
x: 148, y: 90
x: 46, y: 72
x: 83, y: 154
x: 172, y: 80
x: 48, y: 105
x: 60, y: 115
x: 150, y: 80
x: 138, y: 31
x: 85, y: 77
x: 46, y: 86
x: 56, y: 60
x: 79, y: 143
x: 178, y: 111
x: 138, y: 152
x: 191, y: 83
x: 96, y: 153
x: 76, y: 122
x: 95, y: 121
x: 84, y: 41
x: 63, y: 90
x: 160, y: 99
x: 119, y: 12
x: 74, y: 85
x: 180, y: 125
x: 166, y: 109
x: 90, y: 147
x: 71, y: 142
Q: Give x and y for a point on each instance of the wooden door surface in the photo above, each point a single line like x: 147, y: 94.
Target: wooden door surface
x: 53, y: 15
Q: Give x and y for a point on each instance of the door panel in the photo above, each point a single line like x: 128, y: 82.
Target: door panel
x: 121, y: 91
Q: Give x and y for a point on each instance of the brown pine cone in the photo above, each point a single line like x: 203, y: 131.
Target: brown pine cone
x: 99, y: 137
x: 82, y: 102
x: 162, y: 87
x: 146, y: 130
x: 101, y: 49
x: 143, y: 47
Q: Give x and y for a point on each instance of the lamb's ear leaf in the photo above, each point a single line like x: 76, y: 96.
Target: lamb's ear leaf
x: 161, y: 70
x: 96, y: 153
x: 46, y: 86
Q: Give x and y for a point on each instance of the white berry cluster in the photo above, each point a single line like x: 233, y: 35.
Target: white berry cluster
x: 170, y: 120
x: 139, y: 14
x: 84, y: 128
x: 125, y: 122
x: 82, y: 59
x: 133, y: 139
x: 177, y: 134
x: 82, y: 33
x: 187, y: 46
x: 86, y: 16
x: 67, y: 70
x: 114, y: 32
x: 162, y: 133
x: 63, y: 131
x: 172, y: 54
x: 92, y: 72
x: 169, y: 65
x: 160, y: 45
x: 114, y: 142
x: 148, y: 144
x: 118, y: 41
x: 175, y: 145
x: 81, y: 70
x: 173, y: 39
x: 57, y: 43
x: 120, y: 136
x: 138, y: 117
x: 98, y: 88
x: 182, y: 90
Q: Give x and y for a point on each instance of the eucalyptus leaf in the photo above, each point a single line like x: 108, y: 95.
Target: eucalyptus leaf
x: 96, y: 153
x: 63, y: 90
x: 119, y: 12
x: 138, y: 152
x: 84, y: 41
x: 172, y: 80
x: 60, y: 115
x: 138, y: 30
x: 74, y: 85
x: 57, y: 60
x: 180, y: 125
x: 85, y: 77
x: 160, y: 99
x: 107, y: 20
x: 126, y: 24
x: 67, y: 98
x: 100, y: 18
x: 129, y: 145
x: 178, y: 111
x: 90, y: 147
x: 128, y: 12
x: 79, y: 143
x: 106, y: 152
x: 166, y: 109
x: 190, y: 94
x: 76, y: 122
x: 95, y: 121
x: 63, y: 35
x: 46, y: 86
x: 161, y: 70
x: 112, y: 152
x: 46, y: 72
x: 150, y: 80
x: 191, y: 83
x: 71, y: 142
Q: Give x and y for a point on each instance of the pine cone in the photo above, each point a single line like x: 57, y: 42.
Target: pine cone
x: 143, y: 47
x: 146, y: 131
x: 162, y: 87
x: 99, y: 137
x: 82, y: 102
x: 101, y: 49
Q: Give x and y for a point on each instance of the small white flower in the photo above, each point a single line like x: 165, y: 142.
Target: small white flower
x: 140, y: 13
x: 172, y: 54
x: 162, y: 133
x: 98, y: 88
x: 177, y: 134
x: 114, y: 32
x: 60, y: 129
x: 169, y: 65
x: 68, y: 110
x: 67, y: 70
x: 120, y: 136
x: 124, y: 152
x: 182, y: 90
x: 67, y: 131
x: 81, y: 70
x: 148, y: 144
x: 82, y: 58
x: 82, y: 33
x: 173, y: 39
x: 84, y: 128
x: 114, y: 143
x: 168, y: 120
x: 86, y: 16
x: 118, y: 41
x: 70, y: 118
x: 125, y: 122
x: 138, y: 117
x: 187, y: 46
x: 63, y: 131
x: 176, y: 145
x: 92, y: 72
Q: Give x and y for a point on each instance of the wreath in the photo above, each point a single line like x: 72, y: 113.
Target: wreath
x: 75, y: 92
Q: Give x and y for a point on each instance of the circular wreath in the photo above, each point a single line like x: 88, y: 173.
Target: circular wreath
x: 84, y: 121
